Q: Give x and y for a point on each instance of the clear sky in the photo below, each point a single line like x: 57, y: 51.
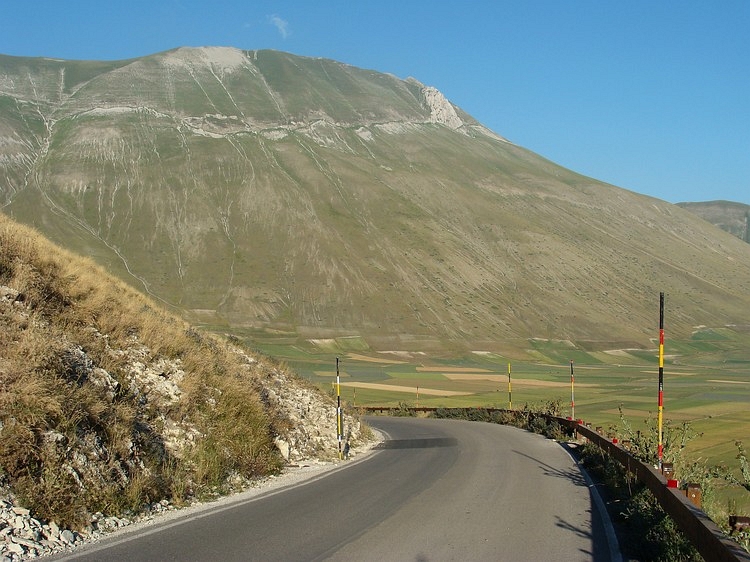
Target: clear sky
x: 652, y: 96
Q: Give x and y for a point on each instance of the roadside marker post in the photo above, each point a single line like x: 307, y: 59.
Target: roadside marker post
x: 510, y: 393
x: 572, y: 393
x: 660, y: 417
x: 339, y: 415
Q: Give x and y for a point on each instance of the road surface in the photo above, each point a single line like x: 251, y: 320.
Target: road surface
x: 435, y: 490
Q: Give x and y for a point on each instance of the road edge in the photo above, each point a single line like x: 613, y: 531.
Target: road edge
x: 615, y: 554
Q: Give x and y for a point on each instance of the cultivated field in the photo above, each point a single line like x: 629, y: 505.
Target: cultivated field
x: 706, y: 382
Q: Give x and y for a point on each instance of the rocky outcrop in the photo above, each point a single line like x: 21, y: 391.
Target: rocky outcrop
x: 441, y: 110
x: 309, y: 430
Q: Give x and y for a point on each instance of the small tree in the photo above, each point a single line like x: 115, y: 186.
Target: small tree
x: 644, y: 444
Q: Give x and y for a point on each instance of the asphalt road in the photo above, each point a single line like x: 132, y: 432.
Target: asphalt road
x: 435, y: 490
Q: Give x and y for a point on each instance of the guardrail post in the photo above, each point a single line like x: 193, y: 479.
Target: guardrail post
x: 738, y: 523
x: 694, y: 494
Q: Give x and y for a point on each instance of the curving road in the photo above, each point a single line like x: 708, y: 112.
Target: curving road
x: 435, y: 490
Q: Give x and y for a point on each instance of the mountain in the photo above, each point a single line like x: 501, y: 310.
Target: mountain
x: 727, y: 215
x: 266, y: 191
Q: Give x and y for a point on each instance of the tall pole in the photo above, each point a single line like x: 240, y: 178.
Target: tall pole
x: 572, y: 393
x: 660, y: 418
x: 339, y: 417
x: 510, y: 393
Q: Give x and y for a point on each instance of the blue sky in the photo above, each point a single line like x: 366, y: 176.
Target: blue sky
x: 650, y: 96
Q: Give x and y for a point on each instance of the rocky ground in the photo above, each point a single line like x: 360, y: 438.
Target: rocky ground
x: 23, y: 537
x: 305, y: 434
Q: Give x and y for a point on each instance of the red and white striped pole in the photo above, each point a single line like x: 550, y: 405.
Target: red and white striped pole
x: 572, y: 393
x: 660, y: 417
x: 510, y: 393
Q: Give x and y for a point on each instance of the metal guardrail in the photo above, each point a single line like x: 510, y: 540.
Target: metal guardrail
x: 705, y: 535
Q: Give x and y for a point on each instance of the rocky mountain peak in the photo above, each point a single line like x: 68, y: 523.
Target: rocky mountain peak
x: 441, y: 110
x: 227, y: 59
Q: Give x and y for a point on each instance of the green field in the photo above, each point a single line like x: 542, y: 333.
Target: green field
x: 706, y: 381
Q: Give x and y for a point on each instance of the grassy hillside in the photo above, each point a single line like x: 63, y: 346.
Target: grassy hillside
x: 108, y: 403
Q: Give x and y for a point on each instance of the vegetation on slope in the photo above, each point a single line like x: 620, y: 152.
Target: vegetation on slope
x: 727, y: 215
x: 107, y: 402
x: 269, y: 191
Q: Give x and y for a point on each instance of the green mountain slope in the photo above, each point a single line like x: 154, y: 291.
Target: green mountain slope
x: 266, y: 190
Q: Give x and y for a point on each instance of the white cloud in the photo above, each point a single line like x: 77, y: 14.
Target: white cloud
x: 281, y: 24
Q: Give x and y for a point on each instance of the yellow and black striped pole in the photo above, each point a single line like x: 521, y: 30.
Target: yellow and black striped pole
x: 510, y: 393
x: 339, y: 416
x: 660, y: 418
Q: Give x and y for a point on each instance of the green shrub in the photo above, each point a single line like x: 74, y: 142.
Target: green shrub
x: 404, y: 410
x: 538, y: 425
x: 646, y: 532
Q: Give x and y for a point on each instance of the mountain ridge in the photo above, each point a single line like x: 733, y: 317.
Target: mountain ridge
x: 222, y: 63
x: 258, y: 189
x: 730, y: 216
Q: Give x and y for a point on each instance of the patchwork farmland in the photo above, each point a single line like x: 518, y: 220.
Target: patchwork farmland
x: 706, y: 382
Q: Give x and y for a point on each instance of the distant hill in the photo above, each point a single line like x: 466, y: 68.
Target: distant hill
x: 258, y: 190
x: 729, y: 216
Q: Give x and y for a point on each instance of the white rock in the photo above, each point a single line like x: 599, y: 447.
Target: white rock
x: 50, y: 534
x: 67, y: 537
x: 14, y: 548
x: 441, y: 110
x: 26, y: 543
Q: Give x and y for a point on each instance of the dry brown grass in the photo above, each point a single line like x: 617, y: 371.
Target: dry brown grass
x: 69, y: 446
